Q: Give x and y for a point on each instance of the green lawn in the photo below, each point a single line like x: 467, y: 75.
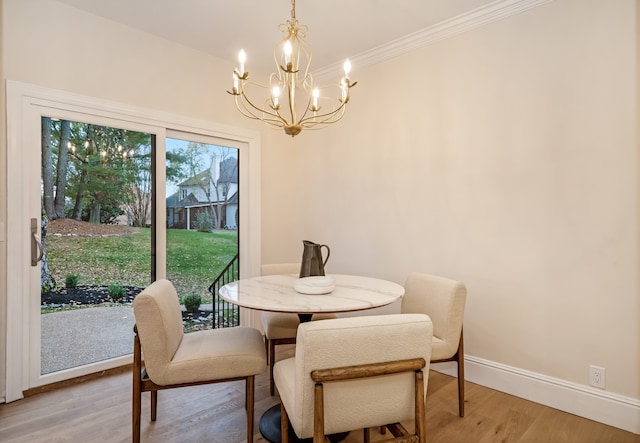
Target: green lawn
x: 194, y: 259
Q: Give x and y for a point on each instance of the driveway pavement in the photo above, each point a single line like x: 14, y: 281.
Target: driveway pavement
x: 77, y: 337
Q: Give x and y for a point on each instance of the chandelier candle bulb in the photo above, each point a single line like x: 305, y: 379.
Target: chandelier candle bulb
x: 347, y: 68
x: 275, y: 93
x: 242, y: 57
x: 316, y: 93
x: 287, y: 52
x: 235, y: 83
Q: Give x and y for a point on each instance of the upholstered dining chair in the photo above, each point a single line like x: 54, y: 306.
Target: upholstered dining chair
x: 443, y: 300
x: 279, y: 327
x: 356, y: 373
x: 173, y: 359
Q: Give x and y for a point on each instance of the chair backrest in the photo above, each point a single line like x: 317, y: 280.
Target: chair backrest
x: 280, y: 268
x: 159, y: 324
x: 442, y: 299
x: 361, y: 403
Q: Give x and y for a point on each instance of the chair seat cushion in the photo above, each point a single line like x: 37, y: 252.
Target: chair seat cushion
x: 284, y: 325
x: 214, y: 354
x: 279, y: 325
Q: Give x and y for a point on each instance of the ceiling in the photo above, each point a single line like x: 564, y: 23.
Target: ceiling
x: 337, y: 28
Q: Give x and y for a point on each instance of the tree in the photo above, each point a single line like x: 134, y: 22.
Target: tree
x: 62, y: 168
x: 47, y: 282
x: 138, y: 201
x: 175, y: 167
x: 103, y: 170
x: 47, y: 169
x: 138, y: 204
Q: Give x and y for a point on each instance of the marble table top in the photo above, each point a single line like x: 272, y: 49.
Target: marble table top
x: 276, y: 293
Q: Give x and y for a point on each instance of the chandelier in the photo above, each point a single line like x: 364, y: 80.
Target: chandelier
x: 293, y: 79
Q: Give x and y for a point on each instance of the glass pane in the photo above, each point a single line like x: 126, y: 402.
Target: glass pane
x: 202, y: 222
x: 96, y: 219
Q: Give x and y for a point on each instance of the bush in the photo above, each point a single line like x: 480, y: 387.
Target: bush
x: 192, y: 302
x: 204, y: 221
x: 71, y: 281
x: 116, y: 291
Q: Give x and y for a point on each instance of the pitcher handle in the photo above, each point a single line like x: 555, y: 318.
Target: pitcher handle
x: 328, y: 254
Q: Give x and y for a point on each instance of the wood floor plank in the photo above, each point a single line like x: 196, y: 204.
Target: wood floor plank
x: 99, y: 411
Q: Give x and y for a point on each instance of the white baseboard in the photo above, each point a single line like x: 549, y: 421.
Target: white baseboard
x: 595, y: 404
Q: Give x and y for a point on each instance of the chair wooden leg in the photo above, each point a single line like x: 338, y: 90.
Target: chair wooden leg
x: 461, y: 376
x: 137, y: 400
x: 154, y: 405
x: 318, y: 414
x: 284, y: 424
x: 420, y: 428
x: 246, y: 393
x: 366, y: 435
x: 250, y: 388
x: 271, y: 362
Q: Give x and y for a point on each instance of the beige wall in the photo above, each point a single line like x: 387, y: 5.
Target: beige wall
x: 53, y: 45
x: 505, y: 157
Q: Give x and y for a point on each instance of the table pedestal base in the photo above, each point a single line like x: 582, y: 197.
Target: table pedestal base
x: 270, y: 428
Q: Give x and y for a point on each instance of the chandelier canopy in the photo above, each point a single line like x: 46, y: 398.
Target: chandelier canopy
x: 293, y: 79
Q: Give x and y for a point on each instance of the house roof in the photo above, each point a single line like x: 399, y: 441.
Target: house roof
x: 199, y: 179
x: 173, y: 201
x: 228, y: 173
x: 229, y: 170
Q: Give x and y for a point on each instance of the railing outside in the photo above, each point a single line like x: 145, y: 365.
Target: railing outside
x: 225, y: 314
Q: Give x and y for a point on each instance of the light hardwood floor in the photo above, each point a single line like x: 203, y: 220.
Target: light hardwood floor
x: 99, y: 410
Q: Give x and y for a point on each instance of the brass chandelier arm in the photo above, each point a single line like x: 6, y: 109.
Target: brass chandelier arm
x: 325, y: 118
x: 273, y: 120
x: 330, y: 118
x: 274, y: 117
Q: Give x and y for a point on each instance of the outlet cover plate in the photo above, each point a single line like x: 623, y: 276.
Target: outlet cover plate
x: 597, y: 376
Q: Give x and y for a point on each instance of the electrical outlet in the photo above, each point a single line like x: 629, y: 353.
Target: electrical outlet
x: 596, y: 376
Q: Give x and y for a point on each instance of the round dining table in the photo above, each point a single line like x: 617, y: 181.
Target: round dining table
x: 277, y: 293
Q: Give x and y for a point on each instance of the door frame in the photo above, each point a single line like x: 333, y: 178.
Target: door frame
x: 25, y: 105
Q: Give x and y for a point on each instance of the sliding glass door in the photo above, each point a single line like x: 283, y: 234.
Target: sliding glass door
x: 91, y: 196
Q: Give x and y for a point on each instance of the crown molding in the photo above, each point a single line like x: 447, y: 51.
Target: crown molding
x: 475, y: 18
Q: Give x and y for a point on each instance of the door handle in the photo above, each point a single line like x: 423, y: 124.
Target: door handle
x: 35, y: 243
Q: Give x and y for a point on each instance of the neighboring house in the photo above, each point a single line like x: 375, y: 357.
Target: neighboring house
x: 198, y: 194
